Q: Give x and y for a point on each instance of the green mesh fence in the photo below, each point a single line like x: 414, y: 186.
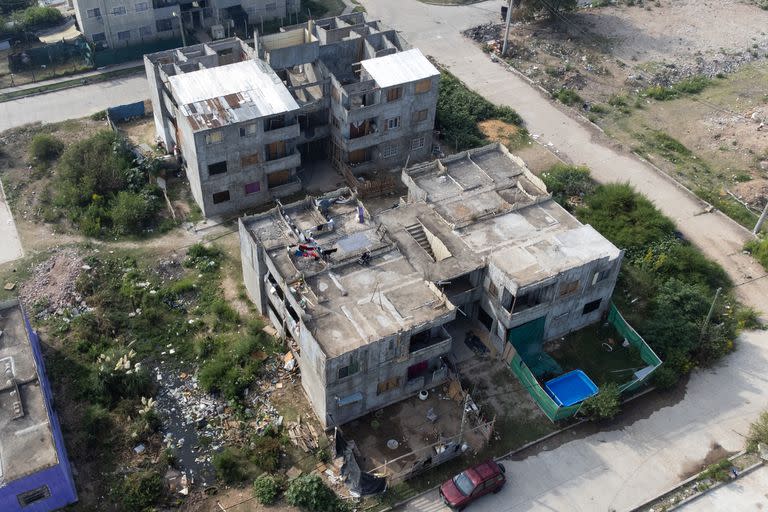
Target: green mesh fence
x: 555, y: 412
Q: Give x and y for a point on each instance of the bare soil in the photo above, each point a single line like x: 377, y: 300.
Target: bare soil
x: 609, y: 57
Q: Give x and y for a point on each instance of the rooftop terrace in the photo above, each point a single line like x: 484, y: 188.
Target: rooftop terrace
x: 26, y: 440
x: 346, y: 303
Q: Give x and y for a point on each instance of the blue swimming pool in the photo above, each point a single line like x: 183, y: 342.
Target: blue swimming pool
x: 571, y: 388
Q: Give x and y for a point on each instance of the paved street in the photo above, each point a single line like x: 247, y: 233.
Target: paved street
x: 747, y: 494
x: 617, y: 469
x: 72, y: 103
x: 10, y: 245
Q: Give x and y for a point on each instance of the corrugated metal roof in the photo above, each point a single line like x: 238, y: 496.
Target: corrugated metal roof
x: 229, y: 94
x: 399, y: 68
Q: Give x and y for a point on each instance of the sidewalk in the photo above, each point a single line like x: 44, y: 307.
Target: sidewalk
x: 78, y: 76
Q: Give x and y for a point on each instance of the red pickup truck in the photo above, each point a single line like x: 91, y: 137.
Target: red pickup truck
x: 470, y: 484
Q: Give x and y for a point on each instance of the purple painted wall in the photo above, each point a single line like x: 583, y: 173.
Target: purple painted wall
x: 58, y: 478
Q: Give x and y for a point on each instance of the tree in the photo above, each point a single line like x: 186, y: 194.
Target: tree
x: 38, y: 17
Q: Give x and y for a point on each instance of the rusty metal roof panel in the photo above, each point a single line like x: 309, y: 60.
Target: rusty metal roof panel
x: 230, y: 94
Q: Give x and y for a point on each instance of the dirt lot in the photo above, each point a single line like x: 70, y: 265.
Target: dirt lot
x: 604, y: 61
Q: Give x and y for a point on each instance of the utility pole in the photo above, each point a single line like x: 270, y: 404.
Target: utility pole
x: 761, y: 220
x: 465, y: 406
x: 506, y: 31
x: 709, y: 315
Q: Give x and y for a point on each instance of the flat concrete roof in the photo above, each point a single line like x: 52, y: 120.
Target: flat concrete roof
x: 484, y: 206
x: 26, y: 439
x: 399, y: 68
x: 346, y: 304
x: 233, y: 93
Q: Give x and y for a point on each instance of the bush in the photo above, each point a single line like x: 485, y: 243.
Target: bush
x: 202, y: 257
x: 266, y: 451
x: 310, y: 493
x: 759, y: 250
x: 758, y: 432
x: 625, y: 217
x: 230, y: 367
x: 141, y: 490
x: 565, y: 181
x: 228, y: 464
x: 665, y: 377
x: 266, y: 489
x: 46, y: 148
x: 693, y: 85
x: 605, y: 405
x: 131, y: 213
x: 459, y: 109
x: 38, y: 17
x: 568, y: 96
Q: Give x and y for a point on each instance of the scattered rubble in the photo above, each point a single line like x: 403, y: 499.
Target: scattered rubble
x: 50, y: 290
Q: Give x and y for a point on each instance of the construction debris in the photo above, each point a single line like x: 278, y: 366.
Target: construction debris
x: 303, y: 435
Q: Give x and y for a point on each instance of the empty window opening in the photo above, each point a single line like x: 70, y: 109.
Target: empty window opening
x: 589, y: 307
x: 217, y: 168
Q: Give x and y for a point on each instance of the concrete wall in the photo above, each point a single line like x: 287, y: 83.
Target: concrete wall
x: 563, y: 313
x: 133, y: 21
x: 380, y: 362
x: 232, y: 149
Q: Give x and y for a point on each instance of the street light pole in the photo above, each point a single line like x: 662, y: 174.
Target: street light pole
x: 506, y: 31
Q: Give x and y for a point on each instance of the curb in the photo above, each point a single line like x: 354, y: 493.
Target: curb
x: 521, y: 448
x: 693, y: 478
x: 585, y: 120
x: 71, y: 85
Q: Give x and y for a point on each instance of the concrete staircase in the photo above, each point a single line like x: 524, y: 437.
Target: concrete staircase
x: 417, y: 232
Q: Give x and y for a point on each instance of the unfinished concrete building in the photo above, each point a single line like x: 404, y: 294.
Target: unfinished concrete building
x: 243, y: 120
x: 372, y: 306
x: 34, y: 469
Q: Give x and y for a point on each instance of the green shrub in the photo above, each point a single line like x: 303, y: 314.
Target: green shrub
x: 565, y: 181
x: 758, y: 432
x: 228, y: 464
x: 266, y: 451
x: 568, y: 96
x: 605, y: 405
x: 598, y: 109
x: 140, y: 491
x: 132, y: 212
x: 310, y: 493
x: 626, y: 218
x: 202, y: 257
x: 38, y: 17
x: 693, y: 85
x: 719, y: 471
x: 266, y: 488
x: 46, y: 148
x: 459, y: 109
x: 759, y: 250
x: 665, y: 377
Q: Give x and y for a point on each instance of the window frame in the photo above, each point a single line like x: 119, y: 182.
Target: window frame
x: 393, y: 123
x: 218, y: 168
x: 418, y: 143
x: 119, y: 10
x: 220, y: 194
x: 420, y: 116
x: 93, y: 13
x: 390, y: 151
x: 418, y: 86
x: 394, y: 93
x: 145, y: 6
x: 214, y: 137
x: 127, y: 34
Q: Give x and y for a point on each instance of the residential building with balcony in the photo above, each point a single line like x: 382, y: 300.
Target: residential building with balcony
x: 231, y: 119
x: 341, y: 87
x: 120, y: 23
x: 368, y: 303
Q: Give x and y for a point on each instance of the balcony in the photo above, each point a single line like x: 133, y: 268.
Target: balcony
x: 371, y: 139
x: 290, y: 161
x: 425, y: 345
x: 313, y: 133
x: 286, y: 189
x: 287, y: 132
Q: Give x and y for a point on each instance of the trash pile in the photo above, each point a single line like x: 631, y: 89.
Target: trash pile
x: 196, y: 425
x: 50, y: 290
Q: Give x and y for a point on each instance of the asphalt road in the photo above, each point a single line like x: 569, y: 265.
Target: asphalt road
x: 616, y: 469
x: 72, y: 103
